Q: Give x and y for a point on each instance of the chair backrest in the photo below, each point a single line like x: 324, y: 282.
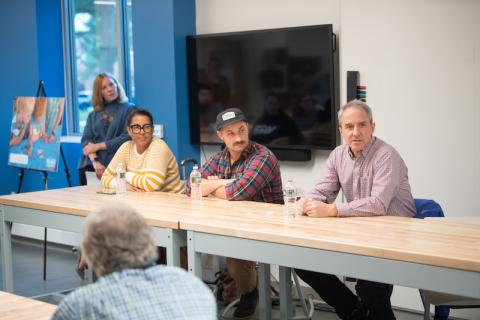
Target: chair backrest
x: 427, y: 208
x: 183, y: 174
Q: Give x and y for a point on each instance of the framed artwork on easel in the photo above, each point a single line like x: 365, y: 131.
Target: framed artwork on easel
x: 35, y: 133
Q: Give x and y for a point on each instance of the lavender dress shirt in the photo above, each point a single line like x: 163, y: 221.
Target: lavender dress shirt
x: 374, y: 183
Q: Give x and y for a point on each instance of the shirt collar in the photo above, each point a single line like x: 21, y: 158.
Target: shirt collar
x: 365, y: 150
x: 245, y: 153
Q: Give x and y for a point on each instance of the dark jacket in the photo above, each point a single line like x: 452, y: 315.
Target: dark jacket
x: 109, y: 126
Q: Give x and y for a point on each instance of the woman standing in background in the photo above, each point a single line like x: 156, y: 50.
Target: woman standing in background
x: 105, y: 130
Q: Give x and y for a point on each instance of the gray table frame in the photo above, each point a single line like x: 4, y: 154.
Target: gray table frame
x: 172, y: 239
x: 409, y: 274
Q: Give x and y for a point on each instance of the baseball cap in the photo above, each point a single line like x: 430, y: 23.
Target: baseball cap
x: 229, y: 116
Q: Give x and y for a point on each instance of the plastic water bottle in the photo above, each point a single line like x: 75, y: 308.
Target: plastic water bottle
x: 121, y: 180
x: 195, y: 184
x: 290, y: 199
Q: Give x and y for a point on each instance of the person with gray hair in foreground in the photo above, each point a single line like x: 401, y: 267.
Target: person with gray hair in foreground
x: 119, y: 245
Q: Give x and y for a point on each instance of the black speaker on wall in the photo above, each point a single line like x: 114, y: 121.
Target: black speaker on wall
x: 292, y: 154
x: 352, y: 83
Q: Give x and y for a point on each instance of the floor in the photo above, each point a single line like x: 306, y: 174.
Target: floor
x: 28, y: 268
x: 61, y: 277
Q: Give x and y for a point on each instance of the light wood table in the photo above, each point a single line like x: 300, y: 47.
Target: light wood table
x: 430, y: 254
x: 467, y: 220
x: 66, y: 209
x: 13, y: 307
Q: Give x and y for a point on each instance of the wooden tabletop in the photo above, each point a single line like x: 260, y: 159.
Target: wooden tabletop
x: 439, y: 242
x: 13, y: 307
x: 468, y: 220
x: 157, y: 207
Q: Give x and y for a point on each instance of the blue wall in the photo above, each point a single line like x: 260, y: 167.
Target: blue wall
x: 32, y: 50
x: 19, y: 73
x: 184, y: 24
x: 51, y: 71
x: 31, y: 41
x: 159, y: 30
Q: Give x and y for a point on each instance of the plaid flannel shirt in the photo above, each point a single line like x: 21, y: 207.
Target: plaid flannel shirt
x: 256, y: 173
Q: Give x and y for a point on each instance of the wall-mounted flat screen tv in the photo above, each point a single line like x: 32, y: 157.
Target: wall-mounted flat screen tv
x: 282, y: 79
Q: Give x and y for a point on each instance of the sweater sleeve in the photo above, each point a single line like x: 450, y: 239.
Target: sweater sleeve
x: 153, y: 177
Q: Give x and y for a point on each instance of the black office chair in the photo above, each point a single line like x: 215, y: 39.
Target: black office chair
x: 183, y: 163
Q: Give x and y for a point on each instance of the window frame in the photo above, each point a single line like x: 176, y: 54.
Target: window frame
x: 70, y: 60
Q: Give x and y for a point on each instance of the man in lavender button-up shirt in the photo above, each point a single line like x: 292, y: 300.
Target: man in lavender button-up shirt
x: 374, y: 180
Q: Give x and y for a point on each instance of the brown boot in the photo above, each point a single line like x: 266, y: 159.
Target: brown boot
x: 226, y: 288
x: 247, y: 305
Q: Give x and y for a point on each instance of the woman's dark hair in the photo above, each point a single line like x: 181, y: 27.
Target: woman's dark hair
x: 139, y: 112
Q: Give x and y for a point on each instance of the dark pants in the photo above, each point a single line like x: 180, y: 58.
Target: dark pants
x: 375, y: 295
x: 162, y: 255
x: 82, y: 176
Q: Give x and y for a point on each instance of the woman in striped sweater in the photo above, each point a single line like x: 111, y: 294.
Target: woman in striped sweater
x: 149, y: 162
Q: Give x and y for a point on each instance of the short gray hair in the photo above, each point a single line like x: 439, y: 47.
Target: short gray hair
x: 359, y: 104
x: 116, y: 238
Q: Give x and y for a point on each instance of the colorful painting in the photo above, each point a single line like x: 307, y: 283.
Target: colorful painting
x: 35, y: 133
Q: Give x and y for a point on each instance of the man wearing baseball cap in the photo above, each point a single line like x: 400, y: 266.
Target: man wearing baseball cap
x: 243, y: 170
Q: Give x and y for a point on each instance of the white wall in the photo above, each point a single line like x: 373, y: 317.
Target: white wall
x: 420, y: 61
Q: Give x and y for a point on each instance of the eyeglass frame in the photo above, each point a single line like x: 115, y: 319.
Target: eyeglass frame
x: 140, y: 128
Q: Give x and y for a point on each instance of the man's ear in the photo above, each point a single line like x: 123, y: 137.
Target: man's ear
x: 220, y: 135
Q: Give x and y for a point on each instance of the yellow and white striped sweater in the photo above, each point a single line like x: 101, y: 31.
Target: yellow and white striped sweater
x: 155, y: 169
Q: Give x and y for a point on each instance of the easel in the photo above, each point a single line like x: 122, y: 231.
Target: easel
x: 42, y: 93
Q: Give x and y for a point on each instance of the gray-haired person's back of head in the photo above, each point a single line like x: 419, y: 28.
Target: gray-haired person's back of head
x: 359, y: 104
x: 116, y: 238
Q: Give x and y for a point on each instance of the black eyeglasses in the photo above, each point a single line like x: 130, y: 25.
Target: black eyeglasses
x: 136, y: 128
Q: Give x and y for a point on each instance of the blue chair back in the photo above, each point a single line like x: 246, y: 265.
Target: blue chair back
x: 427, y: 208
